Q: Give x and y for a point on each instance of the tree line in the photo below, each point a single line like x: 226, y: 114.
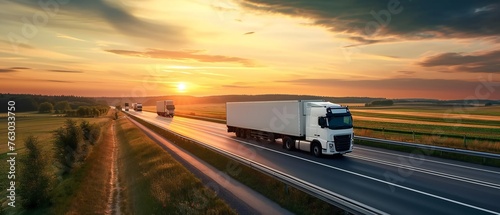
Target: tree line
x: 32, y: 102
x: 64, y: 107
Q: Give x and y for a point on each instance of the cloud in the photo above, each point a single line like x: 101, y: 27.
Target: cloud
x: 117, y: 16
x: 69, y: 37
x: 363, y: 41
x: 236, y: 86
x: 184, y: 55
x: 64, y: 71
x: 406, y: 72
x: 7, y: 70
x: 22, y: 45
x: 57, y: 81
x: 476, y: 62
x: 12, y: 69
x: 367, y: 21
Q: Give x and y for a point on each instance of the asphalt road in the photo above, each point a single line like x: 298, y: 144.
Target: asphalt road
x: 392, y: 182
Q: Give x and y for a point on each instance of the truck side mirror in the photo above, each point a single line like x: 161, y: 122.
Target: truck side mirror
x: 322, y: 122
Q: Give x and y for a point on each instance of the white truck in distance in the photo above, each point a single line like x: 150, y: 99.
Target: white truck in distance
x: 319, y: 127
x: 165, y: 108
x: 137, y: 106
x: 126, y: 106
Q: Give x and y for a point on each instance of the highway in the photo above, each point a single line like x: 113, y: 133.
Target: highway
x: 392, y: 182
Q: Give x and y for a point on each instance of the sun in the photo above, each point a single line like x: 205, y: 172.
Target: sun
x: 181, y: 87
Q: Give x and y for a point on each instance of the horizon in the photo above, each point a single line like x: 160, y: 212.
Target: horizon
x: 444, y: 50
x: 222, y: 95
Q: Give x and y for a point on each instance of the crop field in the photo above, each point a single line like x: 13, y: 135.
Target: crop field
x: 40, y: 125
x: 399, y: 121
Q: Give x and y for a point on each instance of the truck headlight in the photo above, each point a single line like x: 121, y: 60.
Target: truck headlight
x: 331, y: 145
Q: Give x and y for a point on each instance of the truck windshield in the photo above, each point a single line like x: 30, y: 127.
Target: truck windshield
x: 340, y: 121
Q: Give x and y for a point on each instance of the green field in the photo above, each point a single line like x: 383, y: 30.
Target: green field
x: 40, y: 125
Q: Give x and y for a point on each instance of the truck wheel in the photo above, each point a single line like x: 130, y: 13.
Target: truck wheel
x: 238, y: 132
x: 316, y: 150
x: 288, y: 143
x: 271, y: 138
x: 245, y: 134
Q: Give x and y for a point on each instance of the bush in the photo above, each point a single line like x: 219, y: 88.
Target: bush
x: 380, y: 103
x: 62, y: 106
x: 33, y: 180
x: 68, y: 144
x: 45, y: 107
x: 91, y: 132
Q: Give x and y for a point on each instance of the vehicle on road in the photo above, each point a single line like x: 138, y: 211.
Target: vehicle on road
x: 319, y: 127
x: 126, y: 106
x: 165, y: 108
x: 137, y: 106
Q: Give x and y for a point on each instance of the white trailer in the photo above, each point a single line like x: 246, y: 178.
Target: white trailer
x: 165, y: 108
x: 311, y: 125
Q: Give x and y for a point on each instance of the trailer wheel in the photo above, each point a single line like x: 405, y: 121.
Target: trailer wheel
x: 288, y: 143
x: 245, y: 134
x: 316, y: 150
x: 271, y: 137
x: 238, y: 132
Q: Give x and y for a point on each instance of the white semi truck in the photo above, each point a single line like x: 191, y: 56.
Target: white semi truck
x: 319, y: 127
x: 137, y: 106
x: 126, y: 106
x: 165, y: 108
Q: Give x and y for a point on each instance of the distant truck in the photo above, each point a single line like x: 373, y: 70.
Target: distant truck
x: 126, y: 106
x: 137, y: 106
x: 165, y: 108
x: 316, y: 126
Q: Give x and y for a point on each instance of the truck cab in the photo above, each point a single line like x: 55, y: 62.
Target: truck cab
x: 330, y: 125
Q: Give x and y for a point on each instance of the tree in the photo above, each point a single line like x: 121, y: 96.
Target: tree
x: 62, y: 106
x: 68, y: 144
x: 33, y: 180
x: 91, y: 132
x: 382, y: 103
x: 45, y: 107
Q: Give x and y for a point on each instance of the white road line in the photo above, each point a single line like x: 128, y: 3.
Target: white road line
x: 428, y: 160
x: 364, y: 176
x: 430, y: 172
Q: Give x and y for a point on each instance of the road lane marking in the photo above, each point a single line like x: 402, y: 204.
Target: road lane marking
x: 433, y: 161
x: 430, y: 172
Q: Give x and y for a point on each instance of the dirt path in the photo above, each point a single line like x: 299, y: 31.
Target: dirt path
x: 114, y: 194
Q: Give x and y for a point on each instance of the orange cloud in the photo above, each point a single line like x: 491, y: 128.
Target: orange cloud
x: 184, y: 55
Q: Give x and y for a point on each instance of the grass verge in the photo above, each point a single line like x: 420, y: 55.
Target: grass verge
x: 94, y: 176
x: 290, y: 198
x: 155, y: 183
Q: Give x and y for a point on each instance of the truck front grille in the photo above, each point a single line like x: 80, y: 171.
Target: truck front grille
x: 342, y: 142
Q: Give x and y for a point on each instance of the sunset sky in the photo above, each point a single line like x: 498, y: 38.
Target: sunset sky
x: 387, y: 48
